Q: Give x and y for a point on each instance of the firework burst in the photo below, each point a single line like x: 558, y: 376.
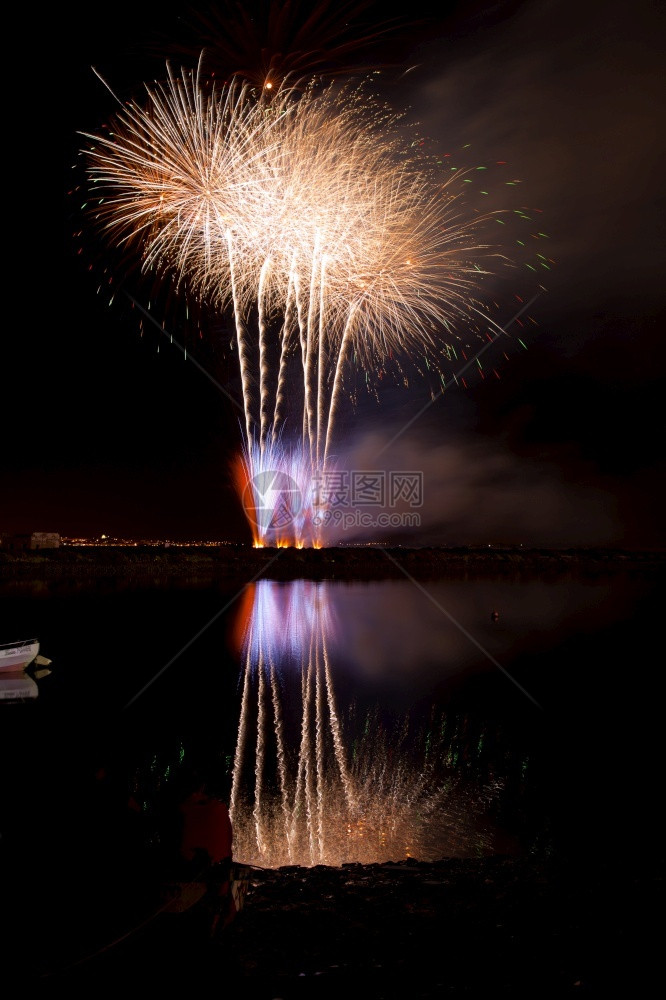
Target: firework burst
x: 310, y: 218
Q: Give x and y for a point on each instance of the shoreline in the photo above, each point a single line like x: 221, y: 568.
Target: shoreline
x: 497, y: 925
x: 361, y: 563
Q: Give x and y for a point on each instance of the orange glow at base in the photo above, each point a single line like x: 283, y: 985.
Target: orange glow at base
x: 243, y: 618
x: 293, y: 535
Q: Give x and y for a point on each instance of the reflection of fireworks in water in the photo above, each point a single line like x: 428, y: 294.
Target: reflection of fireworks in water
x: 388, y: 795
x: 314, y: 222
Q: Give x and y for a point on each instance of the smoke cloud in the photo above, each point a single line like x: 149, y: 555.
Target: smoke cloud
x: 475, y: 491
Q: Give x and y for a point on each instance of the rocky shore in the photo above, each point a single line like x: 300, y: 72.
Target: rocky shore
x: 495, y: 926
x: 229, y: 563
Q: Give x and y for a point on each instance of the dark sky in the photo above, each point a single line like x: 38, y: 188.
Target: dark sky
x: 103, y: 434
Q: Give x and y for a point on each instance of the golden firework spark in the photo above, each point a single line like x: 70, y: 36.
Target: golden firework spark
x: 307, y: 213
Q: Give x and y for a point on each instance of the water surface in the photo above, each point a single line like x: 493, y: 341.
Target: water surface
x: 342, y: 722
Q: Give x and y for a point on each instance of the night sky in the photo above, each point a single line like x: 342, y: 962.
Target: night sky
x: 103, y: 434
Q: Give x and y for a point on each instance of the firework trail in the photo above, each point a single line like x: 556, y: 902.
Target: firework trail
x: 308, y: 216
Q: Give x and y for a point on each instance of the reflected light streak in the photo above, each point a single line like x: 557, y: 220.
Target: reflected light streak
x: 315, y: 784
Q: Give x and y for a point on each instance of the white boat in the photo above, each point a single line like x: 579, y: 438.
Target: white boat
x: 15, y: 656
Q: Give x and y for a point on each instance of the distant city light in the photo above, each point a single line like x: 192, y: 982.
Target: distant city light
x: 108, y: 541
